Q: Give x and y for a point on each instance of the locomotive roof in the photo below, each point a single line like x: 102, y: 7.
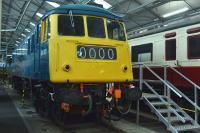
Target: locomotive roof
x: 83, y: 9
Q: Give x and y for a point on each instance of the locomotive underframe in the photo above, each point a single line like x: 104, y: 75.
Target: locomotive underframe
x: 61, y: 100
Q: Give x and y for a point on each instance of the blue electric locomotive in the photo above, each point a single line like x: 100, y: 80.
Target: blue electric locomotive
x: 76, y: 58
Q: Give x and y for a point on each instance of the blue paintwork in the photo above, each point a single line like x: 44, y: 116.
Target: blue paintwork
x: 33, y: 63
x: 83, y: 10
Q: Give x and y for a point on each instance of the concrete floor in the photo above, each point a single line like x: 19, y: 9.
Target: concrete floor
x: 24, y: 119
x: 37, y: 124
x: 10, y: 120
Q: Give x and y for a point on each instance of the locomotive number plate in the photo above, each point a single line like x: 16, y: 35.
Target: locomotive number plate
x: 95, y: 52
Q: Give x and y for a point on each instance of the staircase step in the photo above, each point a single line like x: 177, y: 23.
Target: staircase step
x: 186, y: 127
x: 166, y: 110
x: 176, y: 119
x: 152, y: 96
x: 159, y: 103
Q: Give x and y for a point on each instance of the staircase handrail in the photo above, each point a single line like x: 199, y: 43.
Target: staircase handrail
x: 183, y: 76
x: 184, y: 96
x: 170, y: 86
x: 179, y: 116
x: 163, y: 81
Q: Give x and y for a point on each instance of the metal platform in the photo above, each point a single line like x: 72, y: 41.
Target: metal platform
x: 168, y: 112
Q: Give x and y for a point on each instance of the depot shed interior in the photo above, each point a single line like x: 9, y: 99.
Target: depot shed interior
x: 142, y: 17
x: 20, y: 16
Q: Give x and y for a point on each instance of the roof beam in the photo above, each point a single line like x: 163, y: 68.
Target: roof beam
x: 151, y: 4
x: 149, y: 9
x: 183, y: 16
x: 41, y: 4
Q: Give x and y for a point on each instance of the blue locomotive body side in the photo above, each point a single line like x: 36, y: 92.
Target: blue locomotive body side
x: 31, y: 62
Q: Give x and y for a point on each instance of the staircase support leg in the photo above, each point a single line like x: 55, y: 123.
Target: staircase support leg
x: 168, y: 106
x: 138, y: 113
x: 165, y: 78
x: 138, y: 101
x: 196, y: 102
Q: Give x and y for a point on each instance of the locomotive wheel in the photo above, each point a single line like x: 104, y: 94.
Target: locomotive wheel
x: 42, y: 103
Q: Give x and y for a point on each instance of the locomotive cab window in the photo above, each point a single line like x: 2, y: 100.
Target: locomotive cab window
x: 45, y: 30
x: 70, y: 25
x: 170, y: 49
x: 194, y: 47
x: 96, y: 27
x: 115, y: 30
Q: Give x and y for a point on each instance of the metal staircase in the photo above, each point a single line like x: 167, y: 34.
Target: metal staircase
x: 167, y: 111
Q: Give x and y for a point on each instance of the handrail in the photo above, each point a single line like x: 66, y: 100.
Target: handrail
x: 183, y: 95
x: 182, y: 119
x: 183, y: 76
x: 172, y: 87
x: 164, y: 82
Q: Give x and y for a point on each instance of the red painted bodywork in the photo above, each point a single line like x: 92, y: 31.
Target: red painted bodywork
x: 191, y: 72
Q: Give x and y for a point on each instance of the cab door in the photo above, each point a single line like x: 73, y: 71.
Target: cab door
x: 37, y: 52
x: 43, y: 54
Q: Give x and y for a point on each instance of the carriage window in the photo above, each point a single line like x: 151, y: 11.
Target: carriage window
x: 70, y: 25
x: 170, y: 49
x: 194, y: 47
x: 96, y: 27
x: 115, y: 30
x: 142, y: 53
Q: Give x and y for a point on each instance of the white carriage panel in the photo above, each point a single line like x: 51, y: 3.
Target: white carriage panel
x: 181, y: 48
x: 186, y: 61
x: 158, y: 52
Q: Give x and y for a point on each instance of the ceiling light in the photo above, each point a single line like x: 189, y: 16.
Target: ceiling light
x: 176, y: 12
x: 27, y: 30
x: 9, y: 55
x: 32, y: 23
x: 22, y: 49
x: 16, y: 45
x: 17, y: 42
x: 54, y: 4
x: 105, y: 4
x: 20, y: 39
x: 143, y: 31
x: 23, y: 35
x: 39, y: 14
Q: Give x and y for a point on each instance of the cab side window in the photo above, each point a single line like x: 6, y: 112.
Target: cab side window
x: 45, y: 30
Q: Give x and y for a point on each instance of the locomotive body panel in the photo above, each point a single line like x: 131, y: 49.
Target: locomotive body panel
x: 76, y: 60
x: 64, y: 50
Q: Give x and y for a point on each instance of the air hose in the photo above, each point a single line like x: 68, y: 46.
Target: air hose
x: 123, y: 112
x: 90, y: 102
